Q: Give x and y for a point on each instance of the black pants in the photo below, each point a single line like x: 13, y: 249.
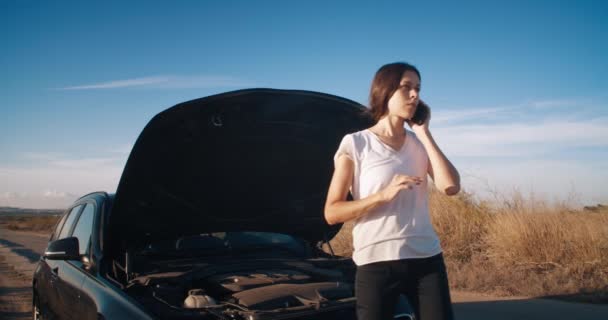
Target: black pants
x: 423, y: 281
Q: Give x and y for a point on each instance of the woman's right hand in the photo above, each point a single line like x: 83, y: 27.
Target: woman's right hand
x: 399, y: 182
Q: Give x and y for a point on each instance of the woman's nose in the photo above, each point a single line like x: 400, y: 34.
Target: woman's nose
x: 413, y: 94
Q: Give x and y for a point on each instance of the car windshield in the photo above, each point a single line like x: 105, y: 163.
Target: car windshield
x: 221, y: 243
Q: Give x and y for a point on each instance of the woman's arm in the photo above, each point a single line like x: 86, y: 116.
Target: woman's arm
x: 441, y: 170
x: 339, y: 210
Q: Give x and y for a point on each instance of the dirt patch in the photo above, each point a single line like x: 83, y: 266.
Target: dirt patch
x: 15, y: 294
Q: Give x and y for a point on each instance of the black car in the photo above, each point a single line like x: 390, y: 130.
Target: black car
x: 218, y: 215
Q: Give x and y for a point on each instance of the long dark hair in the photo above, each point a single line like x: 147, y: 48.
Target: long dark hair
x: 385, y: 83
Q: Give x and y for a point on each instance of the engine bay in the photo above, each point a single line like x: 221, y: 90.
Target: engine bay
x: 256, y: 289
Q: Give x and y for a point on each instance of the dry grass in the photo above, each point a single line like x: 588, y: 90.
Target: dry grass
x: 518, y: 246
x: 30, y: 223
x: 550, y: 252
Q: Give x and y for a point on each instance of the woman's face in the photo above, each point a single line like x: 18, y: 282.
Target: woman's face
x: 404, y: 101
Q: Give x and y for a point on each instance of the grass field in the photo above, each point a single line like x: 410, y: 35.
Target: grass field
x: 27, y: 222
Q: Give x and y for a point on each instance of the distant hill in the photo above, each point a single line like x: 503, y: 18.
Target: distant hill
x: 3, y: 209
x: 8, y: 211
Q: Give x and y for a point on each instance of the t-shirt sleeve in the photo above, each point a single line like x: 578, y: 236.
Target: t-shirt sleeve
x: 346, y: 148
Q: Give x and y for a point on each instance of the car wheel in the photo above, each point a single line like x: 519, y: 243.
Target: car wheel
x: 38, y: 314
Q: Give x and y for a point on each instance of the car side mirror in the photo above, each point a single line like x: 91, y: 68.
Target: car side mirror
x: 63, y: 249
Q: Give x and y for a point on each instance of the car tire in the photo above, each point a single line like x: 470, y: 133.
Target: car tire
x: 38, y: 313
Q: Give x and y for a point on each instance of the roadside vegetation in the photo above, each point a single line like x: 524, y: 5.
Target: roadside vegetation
x: 42, y: 224
x: 518, y: 246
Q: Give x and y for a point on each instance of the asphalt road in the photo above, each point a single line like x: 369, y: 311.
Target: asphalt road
x: 19, y: 252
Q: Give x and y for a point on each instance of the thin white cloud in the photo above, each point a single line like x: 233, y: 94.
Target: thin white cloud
x: 9, y: 195
x: 467, y: 114
x: 521, y: 139
x: 137, y: 82
x: 88, y: 163
x: 38, y: 185
x: 512, y: 131
x: 121, y: 150
x: 59, y: 160
x: 38, y: 200
x: 543, y: 104
x: 166, y: 82
x: 579, y: 182
x: 187, y: 82
x: 54, y: 180
x: 544, y: 109
x: 54, y: 194
x: 43, y: 156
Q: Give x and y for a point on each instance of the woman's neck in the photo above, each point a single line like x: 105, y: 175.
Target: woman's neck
x: 390, y: 126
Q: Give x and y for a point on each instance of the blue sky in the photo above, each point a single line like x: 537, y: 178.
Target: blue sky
x: 518, y: 89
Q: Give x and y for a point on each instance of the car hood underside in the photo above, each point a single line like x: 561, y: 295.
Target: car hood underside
x: 248, y: 160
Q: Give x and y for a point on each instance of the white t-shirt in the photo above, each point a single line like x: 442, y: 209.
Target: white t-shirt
x: 400, y: 229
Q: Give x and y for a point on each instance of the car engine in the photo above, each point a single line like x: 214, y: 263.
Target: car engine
x: 272, y: 289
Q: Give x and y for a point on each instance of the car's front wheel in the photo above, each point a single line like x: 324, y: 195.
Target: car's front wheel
x: 38, y: 313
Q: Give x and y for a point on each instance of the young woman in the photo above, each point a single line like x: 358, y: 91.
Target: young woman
x: 385, y: 167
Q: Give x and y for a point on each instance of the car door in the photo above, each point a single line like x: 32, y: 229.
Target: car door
x: 44, y: 275
x: 72, y: 273
x: 48, y: 286
x: 87, y: 308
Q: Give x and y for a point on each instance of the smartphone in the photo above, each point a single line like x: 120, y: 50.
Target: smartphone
x: 422, y: 112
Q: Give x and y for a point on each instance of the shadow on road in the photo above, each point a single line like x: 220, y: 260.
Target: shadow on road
x: 529, y: 309
x: 12, y: 290
x: 597, y: 297
x: 14, y: 315
x: 29, y: 254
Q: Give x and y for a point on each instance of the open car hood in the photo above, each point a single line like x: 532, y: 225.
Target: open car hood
x: 247, y: 160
